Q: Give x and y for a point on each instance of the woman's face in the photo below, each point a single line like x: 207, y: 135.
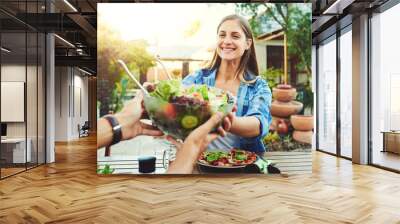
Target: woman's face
x: 232, y: 41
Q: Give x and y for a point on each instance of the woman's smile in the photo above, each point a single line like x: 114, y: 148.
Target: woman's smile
x: 227, y: 50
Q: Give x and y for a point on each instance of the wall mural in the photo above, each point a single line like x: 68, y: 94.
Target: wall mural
x: 227, y: 89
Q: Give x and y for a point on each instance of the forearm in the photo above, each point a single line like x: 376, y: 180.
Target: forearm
x: 186, y: 158
x: 246, y: 126
x: 128, y: 119
x: 104, y: 133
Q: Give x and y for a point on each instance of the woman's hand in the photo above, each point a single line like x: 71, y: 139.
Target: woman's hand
x: 243, y: 126
x: 228, y: 120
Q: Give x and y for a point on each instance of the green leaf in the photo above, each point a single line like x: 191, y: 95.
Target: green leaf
x: 214, y: 156
x: 105, y: 170
x: 165, y: 89
x: 203, y: 90
x: 240, y: 157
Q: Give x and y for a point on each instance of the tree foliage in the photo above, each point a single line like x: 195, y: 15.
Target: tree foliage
x: 294, y: 19
x: 272, y: 75
x: 110, y: 74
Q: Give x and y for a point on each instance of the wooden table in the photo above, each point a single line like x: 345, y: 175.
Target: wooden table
x: 391, y: 141
x: 128, y: 164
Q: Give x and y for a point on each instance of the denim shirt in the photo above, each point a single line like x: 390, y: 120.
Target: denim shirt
x: 253, y: 99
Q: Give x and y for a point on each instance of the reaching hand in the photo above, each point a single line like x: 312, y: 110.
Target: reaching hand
x: 195, y: 133
x: 194, y: 145
x: 228, y: 120
x: 201, y: 136
x: 129, y: 119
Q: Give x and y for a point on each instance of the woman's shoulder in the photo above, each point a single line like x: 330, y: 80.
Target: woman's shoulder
x: 261, y: 86
x: 258, y: 82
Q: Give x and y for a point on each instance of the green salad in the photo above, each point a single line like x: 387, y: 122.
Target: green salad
x: 177, y: 109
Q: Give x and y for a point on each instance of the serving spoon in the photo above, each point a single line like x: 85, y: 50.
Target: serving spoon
x: 132, y: 76
x: 162, y: 64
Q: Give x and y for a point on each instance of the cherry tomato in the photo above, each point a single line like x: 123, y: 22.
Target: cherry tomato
x: 169, y: 111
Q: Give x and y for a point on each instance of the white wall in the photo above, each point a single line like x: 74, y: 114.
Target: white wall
x: 61, y: 103
x: 33, y: 127
x: 261, y: 52
x: 70, y: 83
x: 79, y: 117
x: 14, y: 73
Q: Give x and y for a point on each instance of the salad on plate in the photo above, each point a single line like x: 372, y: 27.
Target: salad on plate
x: 223, y: 159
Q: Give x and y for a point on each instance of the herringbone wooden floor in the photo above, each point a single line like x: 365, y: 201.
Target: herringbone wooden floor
x: 69, y: 191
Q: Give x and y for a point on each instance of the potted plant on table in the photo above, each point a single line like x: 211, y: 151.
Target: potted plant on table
x: 106, y: 170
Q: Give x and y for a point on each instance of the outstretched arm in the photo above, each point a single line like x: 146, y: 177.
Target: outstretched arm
x: 245, y: 126
x: 256, y: 121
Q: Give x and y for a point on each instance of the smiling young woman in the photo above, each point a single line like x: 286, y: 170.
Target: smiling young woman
x: 234, y: 68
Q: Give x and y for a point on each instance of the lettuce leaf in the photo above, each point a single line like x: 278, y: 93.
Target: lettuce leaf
x: 203, y: 90
x: 241, y: 157
x: 214, y: 156
x: 166, y: 89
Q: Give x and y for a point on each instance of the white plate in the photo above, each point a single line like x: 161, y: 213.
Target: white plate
x: 221, y: 167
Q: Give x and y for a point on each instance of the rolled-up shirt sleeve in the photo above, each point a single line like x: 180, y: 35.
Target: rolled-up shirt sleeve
x: 259, y: 107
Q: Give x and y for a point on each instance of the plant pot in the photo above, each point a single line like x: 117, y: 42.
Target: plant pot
x: 274, y: 122
x: 285, y: 109
x: 284, y: 95
x: 283, y: 127
x: 302, y: 122
x: 303, y: 136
